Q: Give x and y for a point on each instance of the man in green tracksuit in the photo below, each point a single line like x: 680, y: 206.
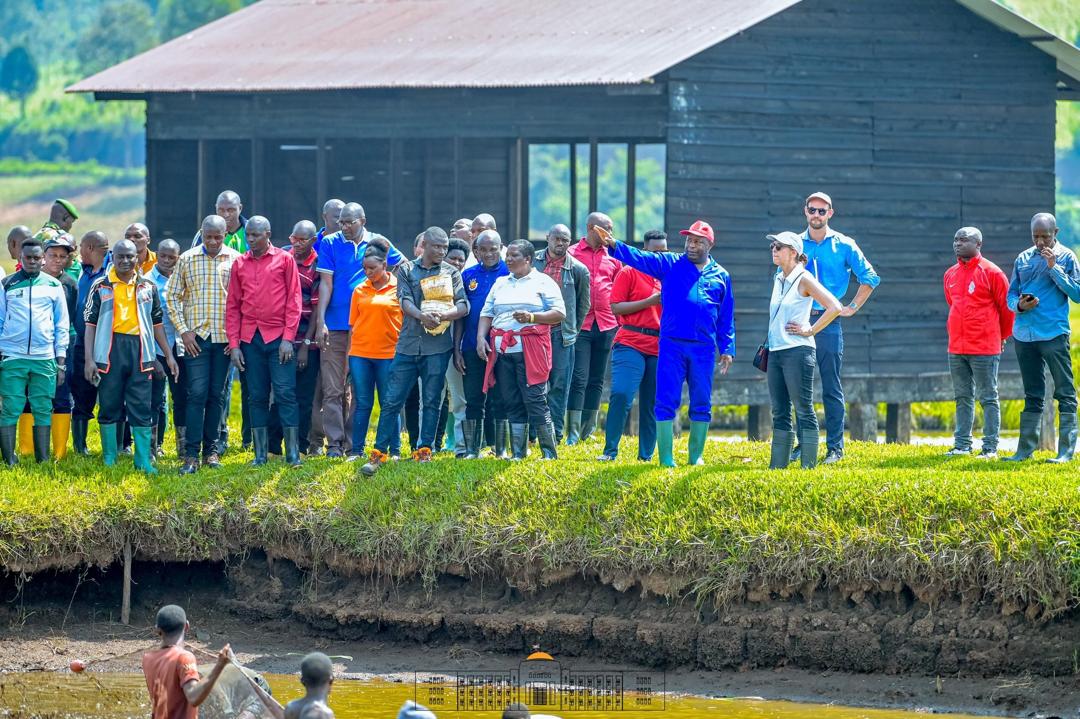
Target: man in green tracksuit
x: 33, y: 343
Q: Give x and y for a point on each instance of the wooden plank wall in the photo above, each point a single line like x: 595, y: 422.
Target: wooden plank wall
x: 916, y: 117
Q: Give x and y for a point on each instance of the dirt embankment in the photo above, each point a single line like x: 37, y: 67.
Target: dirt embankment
x: 908, y: 652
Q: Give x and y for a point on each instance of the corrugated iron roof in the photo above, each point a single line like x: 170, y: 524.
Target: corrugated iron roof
x: 281, y: 45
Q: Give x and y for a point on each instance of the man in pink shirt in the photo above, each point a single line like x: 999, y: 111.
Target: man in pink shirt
x: 262, y: 313
x: 593, y: 346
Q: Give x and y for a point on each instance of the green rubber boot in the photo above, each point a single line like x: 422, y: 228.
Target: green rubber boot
x: 108, y: 444
x: 140, y: 437
x: 780, y: 453
x: 664, y: 441
x: 699, y: 433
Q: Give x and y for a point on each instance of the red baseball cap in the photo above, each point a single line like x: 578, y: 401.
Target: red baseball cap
x: 701, y: 229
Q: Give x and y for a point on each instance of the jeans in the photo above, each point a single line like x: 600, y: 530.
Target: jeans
x: 632, y: 372
x: 830, y: 360
x: 264, y: 370
x: 520, y: 402
x: 431, y: 370
x: 975, y: 376
x: 207, y: 375
x: 562, y: 368
x: 591, y: 353
x: 791, y: 382
x: 306, y: 380
x: 1054, y: 354
x: 368, y: 377
x: 412, y: 415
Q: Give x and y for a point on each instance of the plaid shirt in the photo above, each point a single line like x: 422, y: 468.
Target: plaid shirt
x: 195, y: 294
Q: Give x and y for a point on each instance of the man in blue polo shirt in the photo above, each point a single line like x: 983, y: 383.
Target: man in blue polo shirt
x: 1045, y: 277
x: 341, y: 265
x: 331, y: 210
x: 833, y: 257
x: 478, y: 280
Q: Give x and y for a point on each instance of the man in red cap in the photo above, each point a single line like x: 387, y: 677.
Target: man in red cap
x: 696, y: 324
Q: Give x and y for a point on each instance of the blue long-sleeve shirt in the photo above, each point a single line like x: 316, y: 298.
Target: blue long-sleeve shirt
x: 834, y: 260
x: 695, y: 305
x: 1054, y: 288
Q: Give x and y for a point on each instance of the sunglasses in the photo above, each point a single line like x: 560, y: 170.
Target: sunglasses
x: 777, y: 246
x: 819, y: 210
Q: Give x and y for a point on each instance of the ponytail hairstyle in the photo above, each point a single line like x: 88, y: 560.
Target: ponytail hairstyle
x: 802, y: 259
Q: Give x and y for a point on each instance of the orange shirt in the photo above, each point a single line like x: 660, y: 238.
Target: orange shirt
x: 167, y: 670
x: 375, y: 318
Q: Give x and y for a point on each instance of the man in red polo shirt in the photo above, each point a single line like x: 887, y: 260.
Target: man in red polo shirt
x: 979, y: 323
x: 593, y: 346
x: 635, y: 301
x: 262, y: 313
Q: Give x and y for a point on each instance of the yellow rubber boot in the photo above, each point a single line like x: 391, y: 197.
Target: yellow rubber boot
x: 61, y: 427
x: 26, y: 434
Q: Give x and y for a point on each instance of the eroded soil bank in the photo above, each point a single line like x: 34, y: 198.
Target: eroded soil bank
x: 881, y: 650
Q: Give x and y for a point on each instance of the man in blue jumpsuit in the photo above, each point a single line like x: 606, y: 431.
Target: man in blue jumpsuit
x: 697, y: 321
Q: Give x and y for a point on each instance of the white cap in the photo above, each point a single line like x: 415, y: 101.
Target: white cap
x: 791, y: 239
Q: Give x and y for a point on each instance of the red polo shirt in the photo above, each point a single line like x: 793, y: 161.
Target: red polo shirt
x: 264, y: 295
x: 602, y: 268
x: 633, y: 286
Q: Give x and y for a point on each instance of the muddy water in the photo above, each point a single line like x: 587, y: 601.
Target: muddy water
x: 119, y: 696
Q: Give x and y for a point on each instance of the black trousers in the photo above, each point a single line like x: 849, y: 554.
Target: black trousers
x: 478, y: 405
x: 1053, y: 354
x: 519, y: 401
x: 591, y: 354
x: 305, y: 401
x: 83, y: 394
x: 125, y: 384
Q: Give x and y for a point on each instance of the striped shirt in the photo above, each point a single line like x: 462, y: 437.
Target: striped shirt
x: 195, y: 294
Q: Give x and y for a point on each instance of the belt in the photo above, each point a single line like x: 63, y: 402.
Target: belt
x: 641, y: 330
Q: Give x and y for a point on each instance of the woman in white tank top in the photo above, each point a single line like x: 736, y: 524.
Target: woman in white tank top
x: 791, y: 349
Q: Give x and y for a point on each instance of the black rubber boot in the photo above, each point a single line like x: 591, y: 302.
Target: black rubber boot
x: 545, y: 437
x: 809, y: 443
x: 588, y: 423
x: 472, y: 429
x: 79, y: 428
x: 1029, y: 437
x: 292, y: 445
x: 502, y: 438
x: 8, y: 436
x: 181, y: 442
x: 42, y: 435
x: 1066, y: 439
x: 261, y: 443
x: 782, y: 442
x: 573, y: 427
x: 519, y: 440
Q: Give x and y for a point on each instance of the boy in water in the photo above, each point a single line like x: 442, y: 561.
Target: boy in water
x: 317, y: 676
x: 172, y: 676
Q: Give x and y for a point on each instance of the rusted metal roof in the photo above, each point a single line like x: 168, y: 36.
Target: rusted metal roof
x: 277, y: 45
x: 281, y: 45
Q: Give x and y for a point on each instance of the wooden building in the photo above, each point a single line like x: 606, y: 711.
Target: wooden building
x: 917, y: 117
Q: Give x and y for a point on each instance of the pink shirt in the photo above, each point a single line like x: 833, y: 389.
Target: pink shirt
x: 264, y: 295
x: 602, y: 270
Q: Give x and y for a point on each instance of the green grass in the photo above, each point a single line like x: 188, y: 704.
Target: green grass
x: 887, y: 517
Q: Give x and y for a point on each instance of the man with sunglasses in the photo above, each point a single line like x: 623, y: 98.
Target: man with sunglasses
x: 833, y: 257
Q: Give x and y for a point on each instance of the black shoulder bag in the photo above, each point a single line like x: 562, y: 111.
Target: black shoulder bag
x: 761, y: 357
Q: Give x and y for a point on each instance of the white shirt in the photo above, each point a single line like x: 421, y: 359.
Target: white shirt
x: 788, y: 305
x: 535, y: 292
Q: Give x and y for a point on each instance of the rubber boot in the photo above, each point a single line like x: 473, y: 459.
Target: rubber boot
x: 261, y: 443
x: 699, y: 434
x: 41, y: 436
x: 809, y: 442
x: 108, y: 443
x: 664, y: 440
x: 140, y: 438
x: 1029, y: 437
x: 26, y: 434
x: 502, y: 438
x: 122, y: 430
x: 1066, y: 439
x: 472, y: 429
x: 8, y: 436
x: 519, y: 440
x: 181, y: 441
x: 292, y: 445
x: 588, y: 423
x: 782, y: 442
x: 545, y: 437
x: 573, y: 427
x: 79, y: 428
x: 61, y: 428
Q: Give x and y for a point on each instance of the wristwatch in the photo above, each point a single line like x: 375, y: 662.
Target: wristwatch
x: 307, y: 342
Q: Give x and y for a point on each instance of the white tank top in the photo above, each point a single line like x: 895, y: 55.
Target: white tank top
x: 788, y: 305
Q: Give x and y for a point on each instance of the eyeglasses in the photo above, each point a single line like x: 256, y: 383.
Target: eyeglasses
x: 819, y: 210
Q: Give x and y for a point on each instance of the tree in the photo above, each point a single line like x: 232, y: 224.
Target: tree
x: 122, y: 29
x: 176, y: 17
x: 19, y: 76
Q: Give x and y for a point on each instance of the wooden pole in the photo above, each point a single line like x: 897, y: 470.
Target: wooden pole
x: 125, y: 605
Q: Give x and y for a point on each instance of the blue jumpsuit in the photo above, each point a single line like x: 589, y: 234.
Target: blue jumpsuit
x: 697, y: 321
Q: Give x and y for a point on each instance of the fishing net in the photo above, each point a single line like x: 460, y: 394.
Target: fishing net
x: 236, y: 695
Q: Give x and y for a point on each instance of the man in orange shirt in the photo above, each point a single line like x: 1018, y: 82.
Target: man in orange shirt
x: 172, y: 675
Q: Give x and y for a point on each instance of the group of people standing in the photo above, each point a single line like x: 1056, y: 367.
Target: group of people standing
x: 495, y: 344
